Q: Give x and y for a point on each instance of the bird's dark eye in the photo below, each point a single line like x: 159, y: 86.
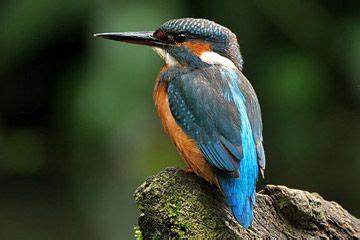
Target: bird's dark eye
x: 170, y: 38
x: 180, y: 38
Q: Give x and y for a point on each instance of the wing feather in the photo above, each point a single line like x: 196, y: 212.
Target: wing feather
x: 202, y: 104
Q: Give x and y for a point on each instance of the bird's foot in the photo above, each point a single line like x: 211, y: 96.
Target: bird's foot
x: 189, y: 170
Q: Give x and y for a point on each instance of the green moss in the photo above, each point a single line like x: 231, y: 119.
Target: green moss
x: 282, y: 202
x: 138, y: 233
x: 179, y: 225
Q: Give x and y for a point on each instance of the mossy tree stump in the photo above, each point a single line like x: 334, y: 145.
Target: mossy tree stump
x: 176, y: 204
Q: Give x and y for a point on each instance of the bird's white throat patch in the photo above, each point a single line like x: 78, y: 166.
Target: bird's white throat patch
x: 209, y: 57
x: 169, y: 60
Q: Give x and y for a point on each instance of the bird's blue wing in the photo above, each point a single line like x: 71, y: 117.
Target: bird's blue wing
x: 203, y: 105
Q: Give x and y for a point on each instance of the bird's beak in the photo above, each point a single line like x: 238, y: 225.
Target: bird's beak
x: 143, y: 38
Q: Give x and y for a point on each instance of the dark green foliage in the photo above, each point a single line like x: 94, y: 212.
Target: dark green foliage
x: 78, y: 130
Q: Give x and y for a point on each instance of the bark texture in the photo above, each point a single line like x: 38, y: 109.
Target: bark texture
x: 176, y: 204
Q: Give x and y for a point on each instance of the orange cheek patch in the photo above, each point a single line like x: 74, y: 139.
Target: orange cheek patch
x: 198, y: 47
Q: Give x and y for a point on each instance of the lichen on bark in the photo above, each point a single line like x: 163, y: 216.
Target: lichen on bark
x: 176, y: 204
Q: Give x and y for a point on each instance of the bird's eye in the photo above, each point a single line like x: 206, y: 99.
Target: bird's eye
x: 180, y: 38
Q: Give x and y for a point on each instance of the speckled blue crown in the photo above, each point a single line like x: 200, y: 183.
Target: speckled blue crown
x: 197, y: 27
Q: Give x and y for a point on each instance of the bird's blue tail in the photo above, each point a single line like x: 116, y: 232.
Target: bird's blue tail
x: 240, y: 192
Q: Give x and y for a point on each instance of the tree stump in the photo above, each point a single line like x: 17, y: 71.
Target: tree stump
x: 176, y: 204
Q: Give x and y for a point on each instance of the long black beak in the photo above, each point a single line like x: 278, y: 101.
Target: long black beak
x: 143, y: 38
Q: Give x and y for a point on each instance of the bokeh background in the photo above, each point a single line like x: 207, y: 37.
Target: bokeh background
x: 79, y: 133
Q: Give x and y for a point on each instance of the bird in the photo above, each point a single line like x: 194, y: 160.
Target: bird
x: 207, y: 106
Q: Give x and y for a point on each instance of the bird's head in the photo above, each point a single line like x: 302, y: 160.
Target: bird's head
x: 188, y: 42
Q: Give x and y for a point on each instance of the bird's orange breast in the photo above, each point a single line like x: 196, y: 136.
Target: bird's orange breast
x: 187, y: 147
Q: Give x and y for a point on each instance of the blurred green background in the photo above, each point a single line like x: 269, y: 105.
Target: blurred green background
x: 79, y: 133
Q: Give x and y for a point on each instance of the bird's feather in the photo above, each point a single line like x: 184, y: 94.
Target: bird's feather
x: 217, y: 107
x: 203, y: 105
x: 198, y: 105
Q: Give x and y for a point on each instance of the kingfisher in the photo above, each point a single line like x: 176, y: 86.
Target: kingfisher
x: 207, y: 106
